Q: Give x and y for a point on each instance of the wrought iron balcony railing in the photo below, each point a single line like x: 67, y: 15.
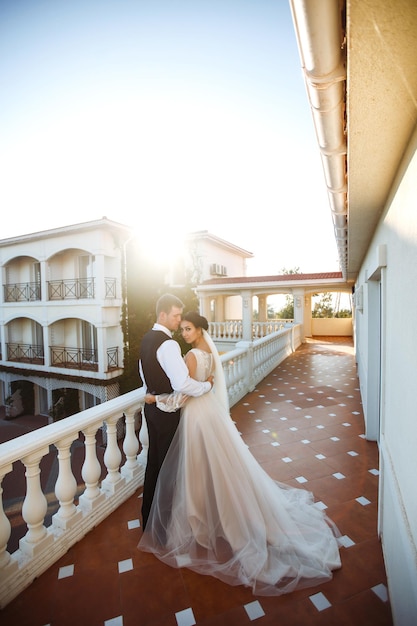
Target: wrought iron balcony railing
x: 82, y: 358
x: 25, y: 353
x: 68, y: 289
x: 74, y: 358
x: 71, y: 289
x: 22, y: 292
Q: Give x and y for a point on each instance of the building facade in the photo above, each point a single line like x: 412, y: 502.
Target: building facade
x: 360, y: 67
x: 61, y: 344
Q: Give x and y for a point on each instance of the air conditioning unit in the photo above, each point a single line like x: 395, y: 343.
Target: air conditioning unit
x: 218, y: 270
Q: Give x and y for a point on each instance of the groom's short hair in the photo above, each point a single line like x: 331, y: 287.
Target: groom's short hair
x: 166, y: 302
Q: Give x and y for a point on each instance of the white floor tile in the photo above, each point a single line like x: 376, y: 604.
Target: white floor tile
x: 375, y: 472
x: 353, y: 453
x: 320, y: 601
x: 65, y: 572
x: 254, y: 610
x: 362, y: 500
x: 125, y: 566
x: 134, y: 523
x: 381, y: 591
x: 185, y: 618
x: 345, y: 541
x: 339, y: 476
x: 287, y: 459
x: 115, y: 621
x: 320, y: 456
x: 183, y: 560
x: 320, y: 505
x: 301, y: 479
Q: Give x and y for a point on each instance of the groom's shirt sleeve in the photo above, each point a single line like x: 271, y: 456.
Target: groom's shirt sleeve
x: 169, y: 356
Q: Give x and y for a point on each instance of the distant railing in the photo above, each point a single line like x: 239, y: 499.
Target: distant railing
x: 22, y: 292
x: 74, y: 358
x: 71, y: 289
x: 233, y: 329
x: 112, y: 358
x: 82, y: 507
x: 25, y: 352
x: 110, y: 287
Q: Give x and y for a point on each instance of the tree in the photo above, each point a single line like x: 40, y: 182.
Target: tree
x: 287, y: 311
x: 145, y: 283
x: 324, y: 307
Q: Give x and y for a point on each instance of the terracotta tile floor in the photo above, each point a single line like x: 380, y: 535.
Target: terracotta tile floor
x: 304, y: 424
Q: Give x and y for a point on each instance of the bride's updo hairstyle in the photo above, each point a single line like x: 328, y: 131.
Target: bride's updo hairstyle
x: 199, y: 321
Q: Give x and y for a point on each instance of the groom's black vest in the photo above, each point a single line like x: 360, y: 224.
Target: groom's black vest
x: 156, y: 380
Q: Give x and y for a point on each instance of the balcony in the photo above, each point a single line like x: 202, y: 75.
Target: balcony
x: 22, y: 292
x: 71, y: 289
x: 82, y: 358
x: 25, y: 353
x: 304, y: 424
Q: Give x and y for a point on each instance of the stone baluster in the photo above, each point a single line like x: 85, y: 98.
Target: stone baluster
x: 90, y: 471
x: 65, y: 486
x: 144, y: 440
x: 112, y: 456
x: 35, y: 504
x: 130, y: 445
x: 5, y: 527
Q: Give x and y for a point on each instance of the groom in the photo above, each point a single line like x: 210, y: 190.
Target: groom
x: 163, y: 370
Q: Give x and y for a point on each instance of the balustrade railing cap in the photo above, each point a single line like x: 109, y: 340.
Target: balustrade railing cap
x: 25, y: 444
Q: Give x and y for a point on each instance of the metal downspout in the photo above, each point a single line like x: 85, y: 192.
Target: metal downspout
x: 320, y: 32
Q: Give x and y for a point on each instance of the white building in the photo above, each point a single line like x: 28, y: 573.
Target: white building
x: 360, y: 65
x: 60, y: 309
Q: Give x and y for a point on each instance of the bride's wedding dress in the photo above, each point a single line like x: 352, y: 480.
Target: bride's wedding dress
x: 217, y: 512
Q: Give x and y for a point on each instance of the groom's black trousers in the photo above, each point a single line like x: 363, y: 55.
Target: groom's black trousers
x: 161, y: 430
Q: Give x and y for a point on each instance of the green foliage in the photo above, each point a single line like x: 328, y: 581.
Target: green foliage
x: 287, y: 311
x: 324, y: 307
x: 294, y: 270
x: 344, y: 313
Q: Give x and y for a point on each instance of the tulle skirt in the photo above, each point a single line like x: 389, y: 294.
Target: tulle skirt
x: 217, y: 512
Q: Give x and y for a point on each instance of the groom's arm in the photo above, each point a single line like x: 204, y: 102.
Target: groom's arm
x: 169, y: 356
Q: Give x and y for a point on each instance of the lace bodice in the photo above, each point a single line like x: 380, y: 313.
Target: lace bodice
x: 204, y: 364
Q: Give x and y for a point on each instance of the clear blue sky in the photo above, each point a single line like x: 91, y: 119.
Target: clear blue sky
x: 172, y: 115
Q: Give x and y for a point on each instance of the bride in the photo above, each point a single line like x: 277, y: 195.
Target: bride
x: 216, y: 511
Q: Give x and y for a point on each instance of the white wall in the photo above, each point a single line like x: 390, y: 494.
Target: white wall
x: 331, y: 326
x: 388, y: 379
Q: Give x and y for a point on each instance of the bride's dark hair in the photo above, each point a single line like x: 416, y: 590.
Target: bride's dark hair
x: 195, y: 318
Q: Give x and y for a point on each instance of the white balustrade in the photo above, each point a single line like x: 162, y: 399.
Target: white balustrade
x: 112, y: 456
x: 244, y: 367
x: 66, y: 486
x: 90, y: 471
x: 130, y: 445
x: 5, y: 526
x: 35, y: 503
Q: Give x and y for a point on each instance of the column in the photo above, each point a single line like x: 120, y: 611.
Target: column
x: 246, y: 315
x: 299, y: 306
x: 262, y: 308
